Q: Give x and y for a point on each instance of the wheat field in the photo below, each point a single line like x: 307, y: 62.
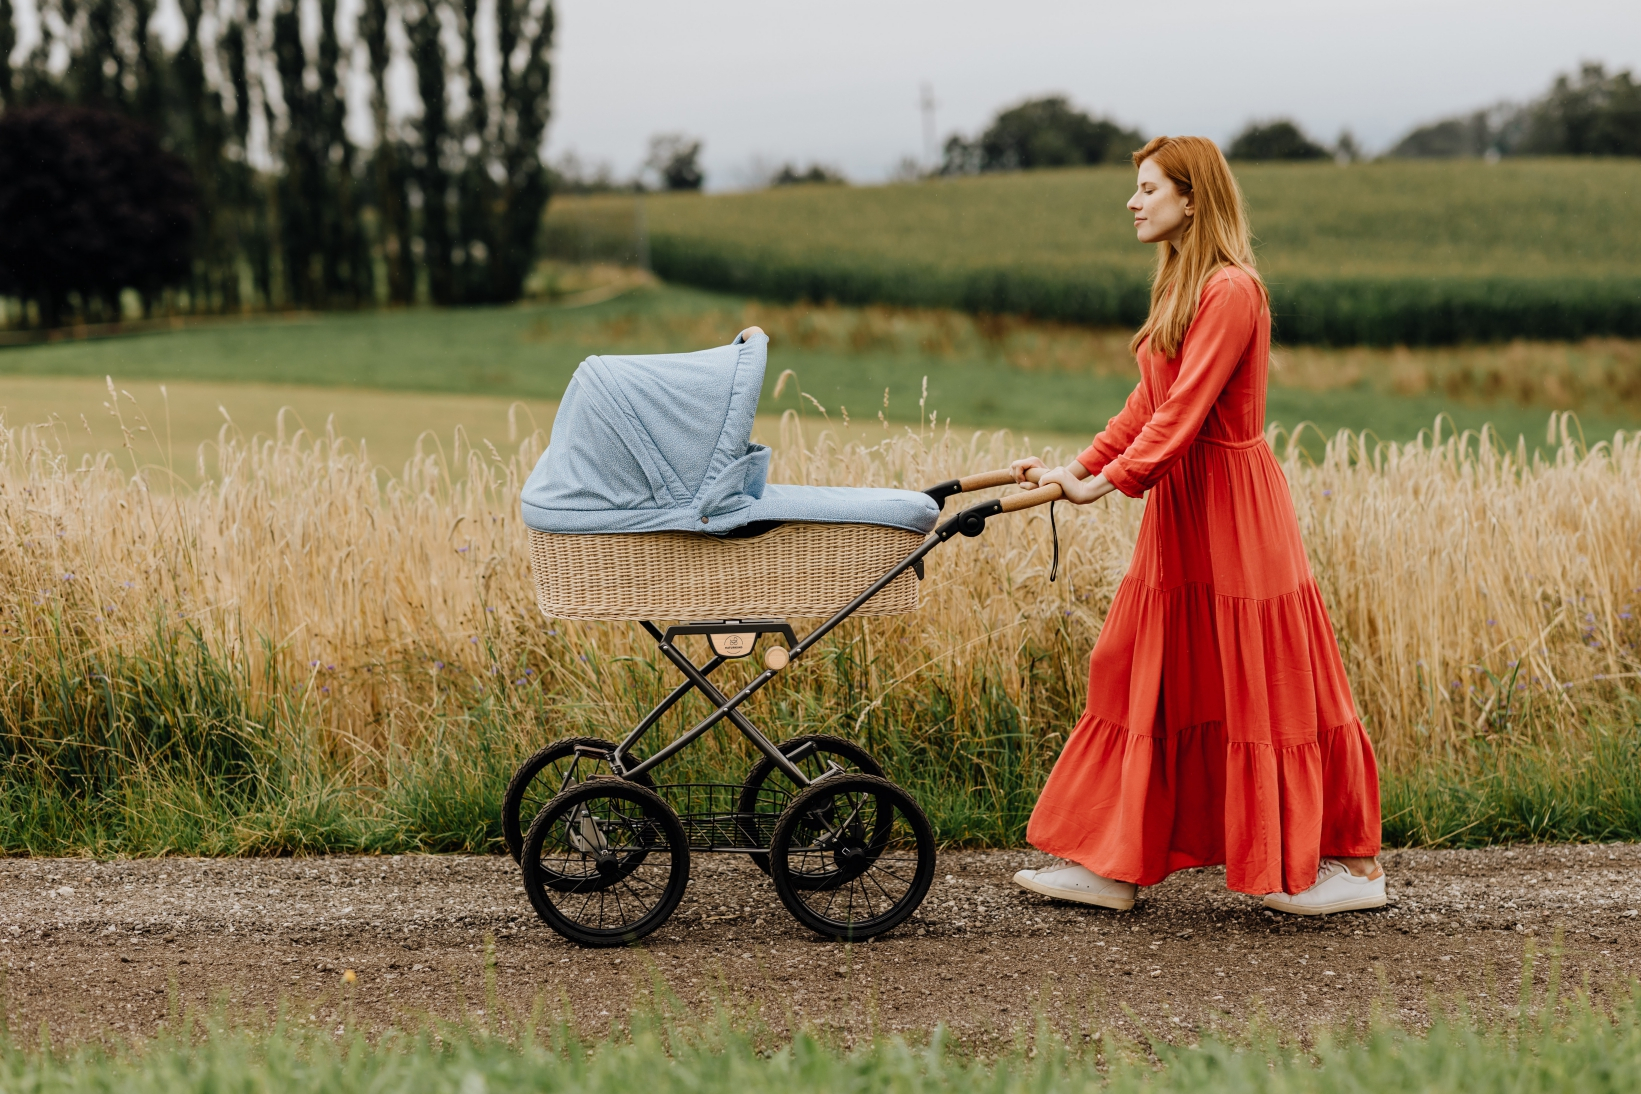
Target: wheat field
x: 283, y: 619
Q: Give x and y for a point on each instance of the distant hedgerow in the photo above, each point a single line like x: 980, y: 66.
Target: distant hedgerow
x: 1356, y: 311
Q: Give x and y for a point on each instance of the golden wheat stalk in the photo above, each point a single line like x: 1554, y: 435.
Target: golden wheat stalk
x: 1468, y: 582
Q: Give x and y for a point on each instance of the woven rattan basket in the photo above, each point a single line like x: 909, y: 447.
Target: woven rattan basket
x: 792, y: 570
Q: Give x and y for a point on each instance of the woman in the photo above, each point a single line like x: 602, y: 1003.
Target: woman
x: 1219, y: 725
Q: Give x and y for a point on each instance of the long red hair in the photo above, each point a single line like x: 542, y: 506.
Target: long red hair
x: 1216, y: 236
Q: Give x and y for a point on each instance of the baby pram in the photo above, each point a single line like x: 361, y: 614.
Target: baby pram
x: 651, y: 503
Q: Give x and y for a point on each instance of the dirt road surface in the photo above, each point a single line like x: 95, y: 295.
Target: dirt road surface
x: 109, y: 949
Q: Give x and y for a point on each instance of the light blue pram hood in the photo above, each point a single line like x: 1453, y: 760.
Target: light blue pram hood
x: 663, y: 443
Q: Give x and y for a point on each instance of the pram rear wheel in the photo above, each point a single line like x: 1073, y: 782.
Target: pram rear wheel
x: 767, y: 791
x: 548, y: 773
x: 605, y: 862
x: 852, y: 857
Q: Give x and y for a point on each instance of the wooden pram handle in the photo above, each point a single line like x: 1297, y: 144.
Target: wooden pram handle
x: 985, y: 480
x: 1025, y: 499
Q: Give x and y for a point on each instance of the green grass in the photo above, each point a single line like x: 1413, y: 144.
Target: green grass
x: 162, y: 752
x: 530, y: 352
x: 1382, y: 253
x: 1524, y: 789
x: 1561, y: 1045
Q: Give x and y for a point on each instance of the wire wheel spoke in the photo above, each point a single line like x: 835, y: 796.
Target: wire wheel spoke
x: 554, y: 770
x: 852, y: 856
x: 605, y: 862
x: 768, y: 791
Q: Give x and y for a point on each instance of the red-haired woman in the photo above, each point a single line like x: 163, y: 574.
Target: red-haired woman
x: 1219, y: 726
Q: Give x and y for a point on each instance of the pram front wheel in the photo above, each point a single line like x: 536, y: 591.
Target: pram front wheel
x: 605, y: 862
x: 852, y: 857
x: 548, y: 773
x: 767, y: 791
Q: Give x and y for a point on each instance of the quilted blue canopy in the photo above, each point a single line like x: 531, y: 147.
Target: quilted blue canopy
x: 662, y: 442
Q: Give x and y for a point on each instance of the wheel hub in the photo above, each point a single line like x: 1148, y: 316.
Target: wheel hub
x: 849, y: 852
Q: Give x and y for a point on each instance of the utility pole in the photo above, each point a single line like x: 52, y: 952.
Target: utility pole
x: 931, y: 147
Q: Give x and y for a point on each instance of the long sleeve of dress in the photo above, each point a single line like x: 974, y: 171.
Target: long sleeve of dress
x: 1225, y: 321
x: 1119, y: 432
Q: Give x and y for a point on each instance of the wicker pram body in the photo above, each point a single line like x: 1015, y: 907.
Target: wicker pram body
x: 794, y: 570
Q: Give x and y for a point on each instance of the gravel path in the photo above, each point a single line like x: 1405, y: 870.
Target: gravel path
x: 98, y: 949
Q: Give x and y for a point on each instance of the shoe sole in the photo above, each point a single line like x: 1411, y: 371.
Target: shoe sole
x: 1115, y: 903
x: 1357, y: 904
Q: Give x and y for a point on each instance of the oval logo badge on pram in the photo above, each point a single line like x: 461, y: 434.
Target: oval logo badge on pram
x: 738, y: 644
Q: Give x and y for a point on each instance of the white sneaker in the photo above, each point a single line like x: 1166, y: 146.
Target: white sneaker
x: 1336, y: 890
x: 1080, y: 884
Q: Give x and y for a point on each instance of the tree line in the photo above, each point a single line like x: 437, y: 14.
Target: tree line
x: 1587, y: 113
x: 1590, y: 112
x: 293, y: 199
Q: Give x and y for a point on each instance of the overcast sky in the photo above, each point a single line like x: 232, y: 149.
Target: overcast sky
x: 765, y: 81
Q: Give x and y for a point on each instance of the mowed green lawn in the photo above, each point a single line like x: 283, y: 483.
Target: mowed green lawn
x: 529, y: 353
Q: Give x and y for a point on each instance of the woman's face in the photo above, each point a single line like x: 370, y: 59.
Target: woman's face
x: 1160, y: 211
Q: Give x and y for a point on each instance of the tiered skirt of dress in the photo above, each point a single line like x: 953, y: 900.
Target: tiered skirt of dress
x: 1219, y: 725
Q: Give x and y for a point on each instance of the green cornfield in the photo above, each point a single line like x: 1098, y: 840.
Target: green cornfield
x: 1415, y: 253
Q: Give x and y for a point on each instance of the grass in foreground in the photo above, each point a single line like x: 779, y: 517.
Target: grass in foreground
x: 1561, y: 1046
x: 1037, y: 378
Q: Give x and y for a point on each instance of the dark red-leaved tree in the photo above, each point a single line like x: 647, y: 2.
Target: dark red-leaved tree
x: 91, y: 206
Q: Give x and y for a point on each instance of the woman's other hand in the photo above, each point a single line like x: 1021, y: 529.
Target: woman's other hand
x: 1078, y: 489
x: 1020, y: 467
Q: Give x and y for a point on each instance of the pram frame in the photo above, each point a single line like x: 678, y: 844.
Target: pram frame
x: 969, y: 522
x: 847, y: 851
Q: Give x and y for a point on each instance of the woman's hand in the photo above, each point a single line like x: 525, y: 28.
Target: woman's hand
x: 1019, y: 467
x: 748, y: 333
x: 1079, y: 489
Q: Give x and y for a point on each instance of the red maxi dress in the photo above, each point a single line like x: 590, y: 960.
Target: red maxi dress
x: 1219, y: 725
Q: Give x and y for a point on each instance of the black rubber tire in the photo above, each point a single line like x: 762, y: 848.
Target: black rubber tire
x: 897, y: 859
x: 857, y: 761
x: 647, y: 819
x: 523, y: 799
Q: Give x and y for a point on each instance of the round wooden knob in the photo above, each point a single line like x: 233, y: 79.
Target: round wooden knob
x: 776, y: 659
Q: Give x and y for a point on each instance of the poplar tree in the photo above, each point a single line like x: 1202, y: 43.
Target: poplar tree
x: 8, y: 42
x: 389, y: 174
x: 525, y: 36
x: 433, y: 128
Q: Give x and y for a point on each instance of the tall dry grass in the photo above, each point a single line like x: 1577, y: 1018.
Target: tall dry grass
x: 312, y: 633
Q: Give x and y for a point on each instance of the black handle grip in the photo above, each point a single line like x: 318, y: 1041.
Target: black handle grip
x: 940, y: 491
